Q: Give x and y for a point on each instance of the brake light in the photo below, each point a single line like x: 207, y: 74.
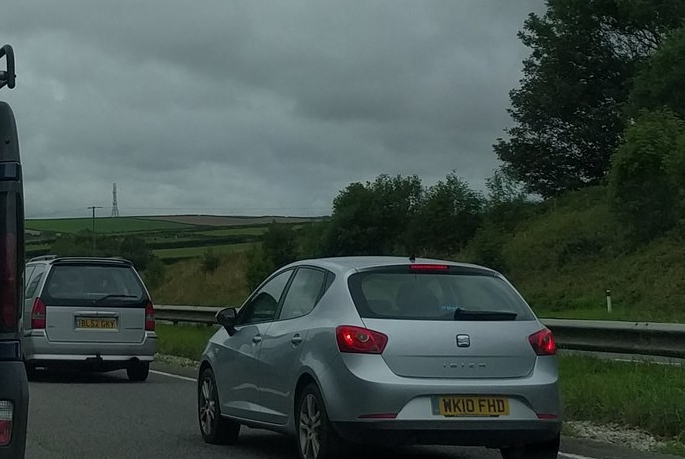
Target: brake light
x: 149, y: 317
x: 543, y: 342
x: 360, y: 340
x: 38, y: 315
x: 425, y: 267
x: 6, y: 414
x: 8, y: 277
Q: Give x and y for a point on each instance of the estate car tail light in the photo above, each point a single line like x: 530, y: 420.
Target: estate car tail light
x: 38, y: 315
x: 543, y: 342
x: 9, y: 279
x: 6, y: 414
x: 149, y: 317
x: 358, y: 340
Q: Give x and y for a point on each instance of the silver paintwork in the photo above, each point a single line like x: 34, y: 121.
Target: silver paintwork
x: 61, y: 341
x: 260, y: 367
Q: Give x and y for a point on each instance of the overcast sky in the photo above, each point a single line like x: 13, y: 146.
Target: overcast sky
x: 254, y: 107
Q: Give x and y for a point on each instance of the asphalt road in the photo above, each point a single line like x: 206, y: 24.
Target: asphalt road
x: 89, y: 416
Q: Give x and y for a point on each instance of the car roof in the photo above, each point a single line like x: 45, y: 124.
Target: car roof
x: 51, y: 259
x: 340, y: 265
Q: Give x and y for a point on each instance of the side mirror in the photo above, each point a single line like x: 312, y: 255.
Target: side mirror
x: 226, y: 318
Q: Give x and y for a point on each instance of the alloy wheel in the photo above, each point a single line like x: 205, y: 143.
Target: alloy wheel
x: 310, y: 427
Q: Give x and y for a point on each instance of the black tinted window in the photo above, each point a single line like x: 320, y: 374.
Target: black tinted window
x: 263, y: 306
x: 433, y: 296
x: 91, y: 282
x: 303, y: 293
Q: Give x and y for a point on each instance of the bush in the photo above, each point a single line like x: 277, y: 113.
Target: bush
x: 259, y: 267
x: 210, y: 261
x: 155, y: 275
x: 646, y: 180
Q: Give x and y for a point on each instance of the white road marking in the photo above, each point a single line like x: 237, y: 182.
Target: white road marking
x: 184, y: 378
x: 574, y: 456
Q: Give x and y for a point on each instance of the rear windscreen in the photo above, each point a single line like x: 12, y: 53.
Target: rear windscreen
x: 452, y: 295
x: 88, y: 283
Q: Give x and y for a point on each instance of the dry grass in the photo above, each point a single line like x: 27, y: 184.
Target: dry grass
x: 187, y: 284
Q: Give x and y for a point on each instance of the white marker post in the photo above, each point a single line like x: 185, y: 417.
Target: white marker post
x: 609, y: 301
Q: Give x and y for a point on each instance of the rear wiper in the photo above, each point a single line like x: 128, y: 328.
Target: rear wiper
x: 112, y: 295
x: 463, y: 314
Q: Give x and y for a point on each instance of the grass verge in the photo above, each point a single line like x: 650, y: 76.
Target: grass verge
x: 644, y: 395
x: 183, y: 340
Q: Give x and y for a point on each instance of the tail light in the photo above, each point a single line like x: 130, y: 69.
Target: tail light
x: 359, y: 340
x: 149, y: 317
x: 38, y: 314
x: 543, y: 342
x: 8, y: 277
x: 6, y: 414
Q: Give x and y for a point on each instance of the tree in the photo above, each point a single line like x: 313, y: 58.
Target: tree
x: 647, y: 177
x: 259, y: 267
x: 279, y: 244
x: 449, y: 217
x: 155, y: 274
x: 568, y: 111
x: 659, y: 83
x: 136, y: 250
x: 374, y: 218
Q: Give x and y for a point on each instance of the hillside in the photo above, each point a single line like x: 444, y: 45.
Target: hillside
x: 565, y: 258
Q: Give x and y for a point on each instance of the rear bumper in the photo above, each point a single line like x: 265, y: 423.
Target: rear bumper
x: 472, y: 433
x: 357, y: 387
x: 39, y: 350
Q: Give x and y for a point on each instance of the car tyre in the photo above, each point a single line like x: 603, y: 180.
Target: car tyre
x: 316, y: 437
x: 215, y: 429
x: 30, y: 371
x: 545, y: 450
x: 138, y: 371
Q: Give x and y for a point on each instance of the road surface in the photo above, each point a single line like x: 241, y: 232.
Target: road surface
x: 89, y: 416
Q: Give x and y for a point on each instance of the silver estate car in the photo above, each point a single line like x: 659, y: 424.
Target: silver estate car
x: 384, y: 350
x: 87, y: 313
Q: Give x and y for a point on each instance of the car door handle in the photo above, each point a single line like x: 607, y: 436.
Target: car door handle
x: 257, y: 339
x: 297, y: 339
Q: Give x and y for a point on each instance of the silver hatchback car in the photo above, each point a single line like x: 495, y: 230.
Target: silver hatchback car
x: 388, y: 351
x: 87, y: 313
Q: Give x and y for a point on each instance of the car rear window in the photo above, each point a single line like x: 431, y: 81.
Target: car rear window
x: 398, y: 293
x: 67, y: 284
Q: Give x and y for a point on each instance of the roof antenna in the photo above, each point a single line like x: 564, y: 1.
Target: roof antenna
x: 412, y: 258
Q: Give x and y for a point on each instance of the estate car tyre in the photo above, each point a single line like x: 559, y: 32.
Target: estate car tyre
x: 138, y: 371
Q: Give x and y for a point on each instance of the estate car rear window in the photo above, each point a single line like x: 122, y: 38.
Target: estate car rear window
x: 450, y: 294
x: 92, y: 284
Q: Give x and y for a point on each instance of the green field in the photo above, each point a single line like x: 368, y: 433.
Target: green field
x: 238, y: 231
x: 188, y: 252
x: 106, y: 225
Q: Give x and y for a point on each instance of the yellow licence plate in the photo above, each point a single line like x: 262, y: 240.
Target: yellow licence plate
x: 473, y: 406
x: 96, y: 323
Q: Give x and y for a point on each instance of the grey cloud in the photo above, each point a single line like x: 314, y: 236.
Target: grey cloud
x: 255, y: 105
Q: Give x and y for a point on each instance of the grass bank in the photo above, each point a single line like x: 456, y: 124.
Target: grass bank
x: 186, y: 283
x: 648, y: 396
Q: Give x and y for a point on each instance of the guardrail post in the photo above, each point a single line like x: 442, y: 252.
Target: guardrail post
x: 609, y: 301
